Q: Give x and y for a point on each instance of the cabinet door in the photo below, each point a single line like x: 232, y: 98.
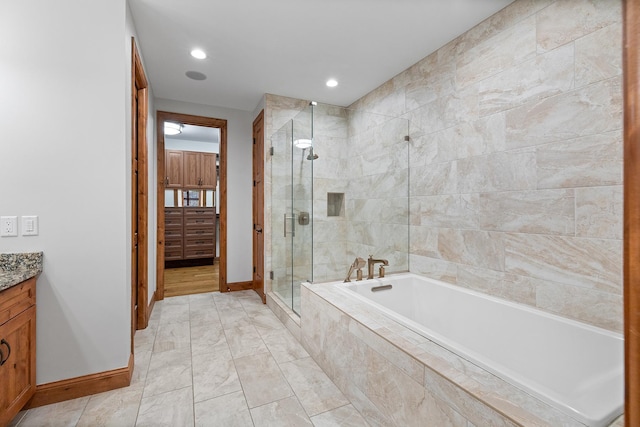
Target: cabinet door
x: 173, y: 169
x: 208, y: 164
x: 192, y: 167
x: 18, y: 371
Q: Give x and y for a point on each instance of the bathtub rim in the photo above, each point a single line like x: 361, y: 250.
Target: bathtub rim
x: 464, y: 375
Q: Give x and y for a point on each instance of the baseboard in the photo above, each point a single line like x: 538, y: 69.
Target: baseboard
x: 152, y: 303
x: 86, y: 385
x: 239, y: 286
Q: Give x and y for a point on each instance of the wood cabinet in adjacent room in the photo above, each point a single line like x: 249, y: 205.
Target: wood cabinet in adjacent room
x: 199, y: 170
x: 190, y: 233
x: 173, y: 169
x: 17, y: 348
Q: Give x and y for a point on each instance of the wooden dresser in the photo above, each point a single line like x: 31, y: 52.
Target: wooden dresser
x: 190, y: 233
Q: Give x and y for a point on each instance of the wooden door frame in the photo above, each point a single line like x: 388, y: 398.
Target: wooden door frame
x: 258, y: 211
x: 631, y: 73
x: 139, y: 278
x: 161, y: 117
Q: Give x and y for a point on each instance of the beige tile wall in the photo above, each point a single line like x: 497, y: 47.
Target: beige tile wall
x: 516, y: 157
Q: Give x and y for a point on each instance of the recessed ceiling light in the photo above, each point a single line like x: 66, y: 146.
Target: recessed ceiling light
x: 195, y: 75
x: 198, y: 53
x: 332, y: 83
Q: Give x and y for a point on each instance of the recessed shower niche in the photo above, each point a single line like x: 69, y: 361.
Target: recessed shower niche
x: 335, y: 204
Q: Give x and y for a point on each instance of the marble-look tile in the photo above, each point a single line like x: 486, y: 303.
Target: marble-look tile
x: 507, y: 48
x: 176, y: 312
x: 594, y: 109
x: 423, y: 241
x: 174, y: 408
x: 435, y: 178
x: 312, y: 387
x: 229, y: 410
x: 283, y: 346
x: 261, y: 379
x: 588, y: 263
x: 509, y: 286
x: 434, y: 268
x: 265, y: 322
x: 541, y: 211
x: 597, y: 308
x: 345, y: 416
x: 599, y: 55
x: 581, y: 162
x: 214, y: 374
x: 286, y: 412
x: 461, y: 403
x: 168, y: 370
x: 599, y: 212
x: 471, y: 247
x: 503, y: 171
x: 208, y: 339
x: 392, y: 351
x: 483, y: 136
x: 117, y: 408
x: 244, y: 341
x: 61, y: 414
x: 537, y: 78
x: 144, y: 339
x: 587, y: 16
x: 205, y: 314
x: 141, y: 363
x: 172, y: 336
x: 446, y: 211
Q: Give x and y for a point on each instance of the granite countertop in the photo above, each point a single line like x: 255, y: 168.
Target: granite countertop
x: 18, y: 267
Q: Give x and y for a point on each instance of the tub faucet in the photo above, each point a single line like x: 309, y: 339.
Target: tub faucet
x: 357, y: 264
x: 371, y: 262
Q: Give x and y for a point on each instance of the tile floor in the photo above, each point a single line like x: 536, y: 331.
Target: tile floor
x: 211, y: 360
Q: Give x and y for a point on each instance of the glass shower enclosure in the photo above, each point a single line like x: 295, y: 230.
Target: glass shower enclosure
x: 340, y: 190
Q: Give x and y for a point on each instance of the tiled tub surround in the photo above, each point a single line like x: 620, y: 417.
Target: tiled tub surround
x: 18, y: 267
x: 395, y: 376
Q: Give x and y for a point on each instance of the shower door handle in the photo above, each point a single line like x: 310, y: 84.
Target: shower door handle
x: 293, y: 224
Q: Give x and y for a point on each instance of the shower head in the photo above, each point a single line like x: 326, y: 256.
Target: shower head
x: 312, y: 155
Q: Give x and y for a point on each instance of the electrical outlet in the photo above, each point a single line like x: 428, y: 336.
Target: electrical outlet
x: 8, y: 226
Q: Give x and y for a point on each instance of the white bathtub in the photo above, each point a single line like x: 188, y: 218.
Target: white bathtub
x: 574, y: 367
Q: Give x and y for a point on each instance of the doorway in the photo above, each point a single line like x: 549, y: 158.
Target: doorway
x: 191, y: 255
x: 258, y: 206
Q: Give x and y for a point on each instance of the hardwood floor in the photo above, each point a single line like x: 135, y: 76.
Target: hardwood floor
x: 191, y: 280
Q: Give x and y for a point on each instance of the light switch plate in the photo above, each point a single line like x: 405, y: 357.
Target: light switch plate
x: 30, y: 225
x: 8, y: 226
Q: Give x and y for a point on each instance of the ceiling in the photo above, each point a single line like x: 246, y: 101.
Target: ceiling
x: 292, y: 47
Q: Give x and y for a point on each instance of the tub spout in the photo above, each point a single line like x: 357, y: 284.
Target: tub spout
x: 357, y: 264
x: 371, y: 262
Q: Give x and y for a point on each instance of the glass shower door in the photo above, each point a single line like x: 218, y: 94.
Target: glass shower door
x: 292, y: 208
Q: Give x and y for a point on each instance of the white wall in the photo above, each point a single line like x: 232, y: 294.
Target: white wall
x: 188, y: 145
x: 239, y: 181
x: 64, y: 89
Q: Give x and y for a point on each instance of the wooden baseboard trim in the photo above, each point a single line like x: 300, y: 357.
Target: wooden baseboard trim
x: 239, y: 286
x: 152, y: 303
x: 86, y: 385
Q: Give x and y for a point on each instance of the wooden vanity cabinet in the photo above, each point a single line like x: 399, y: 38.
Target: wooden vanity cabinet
x: 17, y: 348
x: 173, y: 168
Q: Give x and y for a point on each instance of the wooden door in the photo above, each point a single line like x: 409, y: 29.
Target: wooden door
x: 258, y: 206
x: 631, y: 73
x: 173, y: 168
x: 191, y: 169
x: 208, y: 170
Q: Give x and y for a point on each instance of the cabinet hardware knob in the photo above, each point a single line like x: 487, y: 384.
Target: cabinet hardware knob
x: 4, y: 342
